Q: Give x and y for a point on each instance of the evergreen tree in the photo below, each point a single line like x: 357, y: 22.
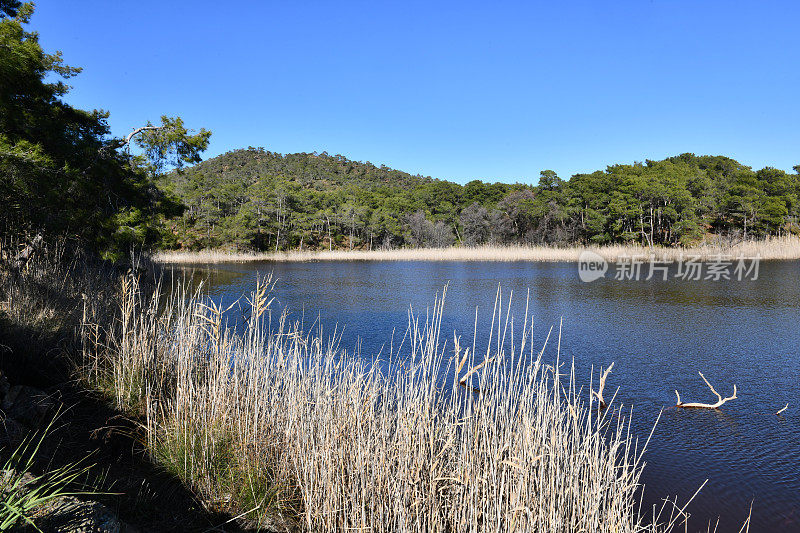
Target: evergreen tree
x: 60, y: 171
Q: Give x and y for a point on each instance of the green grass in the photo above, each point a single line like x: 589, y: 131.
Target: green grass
x: 229, y: 477
x: 22, y: 497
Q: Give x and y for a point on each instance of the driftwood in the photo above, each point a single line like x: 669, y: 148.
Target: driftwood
x: 720, y: 399
x: 785, y: 407
x: 599, y: 393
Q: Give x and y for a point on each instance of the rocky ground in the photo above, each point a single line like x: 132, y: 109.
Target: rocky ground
x: 137, y: 495
x: 24, y: 410
x: 65, y: 513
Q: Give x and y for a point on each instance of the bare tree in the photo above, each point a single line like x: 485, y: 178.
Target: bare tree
x: 720, y: 399
x: 475, y: 223
x: 420, y: 228
x: 330, y: 240
x: 441, y: 235
x: 280, y: 216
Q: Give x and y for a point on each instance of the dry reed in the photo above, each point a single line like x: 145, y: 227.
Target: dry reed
x: 787, y: 247
x: 272, y: 422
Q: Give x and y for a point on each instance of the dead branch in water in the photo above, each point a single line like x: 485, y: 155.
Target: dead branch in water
x: 785, y: 407
x: 719, y: 403
x: 463, y: 380
x: 599, y: 393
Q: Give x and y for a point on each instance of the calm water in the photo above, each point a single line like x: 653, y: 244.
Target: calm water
x: 659, y: 333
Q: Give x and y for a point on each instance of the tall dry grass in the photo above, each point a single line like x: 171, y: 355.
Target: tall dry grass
x: 273, y: 422
x: 787, y: 247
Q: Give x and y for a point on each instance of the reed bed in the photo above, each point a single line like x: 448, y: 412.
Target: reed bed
x: 284, y: 427
x: 787, y: 247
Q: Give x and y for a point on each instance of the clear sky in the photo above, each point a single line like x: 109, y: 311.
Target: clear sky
x: 461, y: 90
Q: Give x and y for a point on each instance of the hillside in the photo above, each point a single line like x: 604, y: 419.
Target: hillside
x: 249, y: 164
x: 254, y: 199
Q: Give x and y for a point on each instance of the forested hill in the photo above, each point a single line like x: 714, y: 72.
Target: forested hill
x: 260, y: 200
x: 253, y: 163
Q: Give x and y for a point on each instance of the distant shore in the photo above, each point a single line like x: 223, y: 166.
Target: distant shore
x: 772, y: 248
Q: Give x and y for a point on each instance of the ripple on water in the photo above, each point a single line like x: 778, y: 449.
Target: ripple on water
x: 659, y: 333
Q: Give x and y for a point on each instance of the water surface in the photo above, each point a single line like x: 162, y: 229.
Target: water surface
x: 659, y: 333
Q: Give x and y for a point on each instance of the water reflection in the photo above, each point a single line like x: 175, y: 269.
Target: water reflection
x: 660, y: 333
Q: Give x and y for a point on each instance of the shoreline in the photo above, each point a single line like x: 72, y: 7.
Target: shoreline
x: 776, y: 248
x: 211, y: 427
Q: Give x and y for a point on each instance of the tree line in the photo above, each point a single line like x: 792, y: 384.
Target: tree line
x: 62, y: 173
x: 254, y: 199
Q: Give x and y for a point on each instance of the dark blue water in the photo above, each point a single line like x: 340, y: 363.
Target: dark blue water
x: 659, y: 334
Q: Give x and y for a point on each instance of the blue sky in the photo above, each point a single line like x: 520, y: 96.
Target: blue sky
x: 461, y: 90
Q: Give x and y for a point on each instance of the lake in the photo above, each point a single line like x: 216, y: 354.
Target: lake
x: 659, y: 334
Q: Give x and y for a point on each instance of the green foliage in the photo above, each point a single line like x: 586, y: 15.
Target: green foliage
x: 258, y: 200
x: 21, y: 497
x: 254, y: 199
x: 60, y: 172
x: 171, y: 145
x: 9, y: 8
